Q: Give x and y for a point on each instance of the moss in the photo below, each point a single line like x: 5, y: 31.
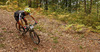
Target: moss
x: 55, y: 41
x: 2, y: 45
x: 81, y: 47
x: 35, y: 48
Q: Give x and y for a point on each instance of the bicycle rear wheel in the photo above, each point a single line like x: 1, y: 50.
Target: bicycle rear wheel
x: 20, y: 28
x: 35, y: 38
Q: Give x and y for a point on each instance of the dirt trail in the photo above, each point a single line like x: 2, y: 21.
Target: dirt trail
x: 52, y: 35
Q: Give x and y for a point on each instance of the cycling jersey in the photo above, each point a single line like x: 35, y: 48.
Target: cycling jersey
x: 19, y: 15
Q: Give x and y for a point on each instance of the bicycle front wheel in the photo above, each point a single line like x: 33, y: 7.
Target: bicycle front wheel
x: 35, y: 38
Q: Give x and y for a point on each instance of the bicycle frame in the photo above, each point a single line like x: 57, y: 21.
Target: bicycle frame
x: 30, y: 29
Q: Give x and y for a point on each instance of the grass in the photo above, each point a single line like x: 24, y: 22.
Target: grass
x: 39, y: 28
x: 87, y: 50
x: 3, y: 28
x: 52, y: 33
x: 62, y: 47
x: 35, y: 48
x: 17, y: 36
x: 61, y: 35
x: 5, y: 31
x: 2, y: 38
x: 82, y: 36
x: 2, y: 45
x: 39, y: 34
x: 1, y: 34
x: 55, y: 38
x: 81, y: 47
x: 54, y: 46
x: 55, y: 41
x: 51, y: 37
x: 56, y: 31
x: 43, y: 31
x: 10, y: 32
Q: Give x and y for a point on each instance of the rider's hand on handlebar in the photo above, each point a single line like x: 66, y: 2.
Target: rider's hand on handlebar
x: 35, y: 22
x: 26, y: 27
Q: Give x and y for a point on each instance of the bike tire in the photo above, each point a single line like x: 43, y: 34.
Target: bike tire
x: 16, y: 26
x: 21, y: 28
x: 34, y: 36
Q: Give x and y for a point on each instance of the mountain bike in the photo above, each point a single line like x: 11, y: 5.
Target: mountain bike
x: 35, y: 38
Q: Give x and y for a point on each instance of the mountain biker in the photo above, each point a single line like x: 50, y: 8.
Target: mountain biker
x: 19, y: 15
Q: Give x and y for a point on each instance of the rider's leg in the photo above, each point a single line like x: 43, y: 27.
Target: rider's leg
x: 25, y: 21
x: 18, y: 25
x: 16, y: 16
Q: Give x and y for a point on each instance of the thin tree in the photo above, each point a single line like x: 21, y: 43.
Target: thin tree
x: 18, y: 3
x: 46, y: 5
x: 66, y: 2
x: 90, y: 6
x: 85, y: 5
x: 76, y: 4
x: 40, y: 3
x: 97, y: 10
x: 37, y: 3
x: 30, y: 3
x: 70, y: 5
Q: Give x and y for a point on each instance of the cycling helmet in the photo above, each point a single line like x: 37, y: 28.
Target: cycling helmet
x: 27, y: 10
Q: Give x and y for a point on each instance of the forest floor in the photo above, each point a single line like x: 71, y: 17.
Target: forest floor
x: 53, y: 38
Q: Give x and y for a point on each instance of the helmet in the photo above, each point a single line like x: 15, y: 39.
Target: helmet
x: 27, y: 10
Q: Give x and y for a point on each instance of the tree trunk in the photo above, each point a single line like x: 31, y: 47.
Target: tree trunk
x: 30, y: 3
x: 37, y: 2
x: 90, y: 6
x: 85, y: 5
x: 97, y: 11
x: 18, y: 3
x: 40, y: 3
x: 66, y: 2
x: 70, y: 6
x: 46, y: 5
x: 76, y: 4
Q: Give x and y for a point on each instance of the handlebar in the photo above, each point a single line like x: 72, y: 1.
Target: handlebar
x: 29, y: 27
x: 32, y: 25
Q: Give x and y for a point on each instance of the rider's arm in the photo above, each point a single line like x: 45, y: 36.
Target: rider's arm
x: 33, y: 18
